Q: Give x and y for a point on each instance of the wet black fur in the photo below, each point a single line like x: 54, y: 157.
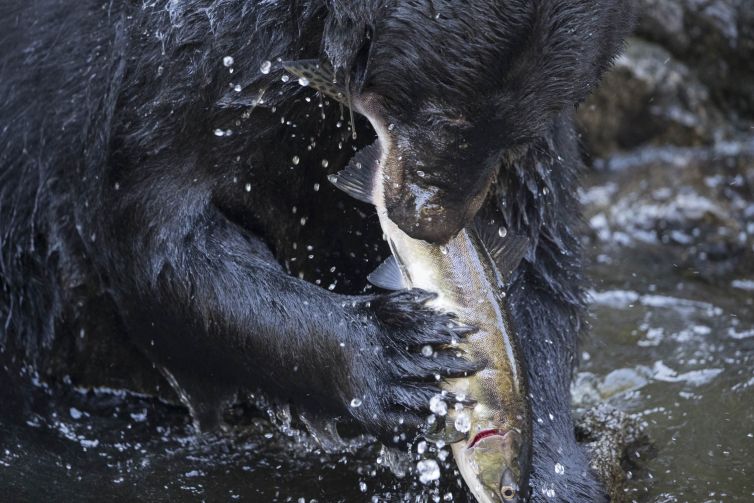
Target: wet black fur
x: 122, y: 212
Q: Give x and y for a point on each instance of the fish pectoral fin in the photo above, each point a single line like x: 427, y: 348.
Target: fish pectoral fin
x: 319, y: 76
x: 506, y: 251
x: 357, y: 179
x: 388, y: 275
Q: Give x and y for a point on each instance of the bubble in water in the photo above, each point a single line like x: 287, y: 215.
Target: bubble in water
x: 502, y: 231
x: 303, y: 81
x: 356, y: 402
x: 228, y: 61
x: 463, y: 421
x: 438, y: 406
x: 285, y: 78
x: 559, y: 469
x: 295, y: 160
x: 265, y: 67
x: 421, y: 447
x: 428, y: 470
x: 427, y: 350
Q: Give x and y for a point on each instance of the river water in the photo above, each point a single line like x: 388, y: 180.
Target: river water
x: 673, y: 348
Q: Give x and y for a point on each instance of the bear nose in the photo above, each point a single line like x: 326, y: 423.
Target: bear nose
x: 428, y: 221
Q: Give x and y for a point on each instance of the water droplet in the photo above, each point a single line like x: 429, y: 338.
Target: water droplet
x: 429, y: 470
x: 444, y: 250
x: 356, y: 402
x: 237, y: 88
x: 438, y: 406
x: 363, y: 486
x: 427, y: 350
x: 228, y: 61
x: 421, y: 174
x: 545, y: 191
x: 303, y: 81
x: 219, y: 132
x: 295, y: 160
x: 502, y: 231
x: 463, y: 421
x: 247, y: 187
x: 559, y: 469
x: 316, y: 187
x: 421, y: 447
x: 390, y: 127
x: 285, y: 78
x: 324, y: 163
x: 265, y: 67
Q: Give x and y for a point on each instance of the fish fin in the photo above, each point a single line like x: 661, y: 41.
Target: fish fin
x: 506, y: 250
x: 357, y: 179
x: 320, y: 76
x: 388, y: 275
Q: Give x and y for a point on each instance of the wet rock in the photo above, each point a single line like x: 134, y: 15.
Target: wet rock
x: 649, y: 97
x: 617, y: 443
x: 694, y: 207
x: 715, y: 37
x: 685, y: 79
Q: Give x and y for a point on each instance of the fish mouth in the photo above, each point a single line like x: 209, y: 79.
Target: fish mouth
x: 485, y: 434
x: 508, y: 486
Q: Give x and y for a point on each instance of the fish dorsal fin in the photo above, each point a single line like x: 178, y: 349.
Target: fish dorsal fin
x: 387, y: 275
x: 357, y: 179
x: 506, y: 249
x: 320, y: 76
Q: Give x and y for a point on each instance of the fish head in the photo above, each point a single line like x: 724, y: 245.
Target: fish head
x: 499, y: 462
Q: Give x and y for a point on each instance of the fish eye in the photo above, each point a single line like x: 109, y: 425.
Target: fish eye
x: 508, y: 492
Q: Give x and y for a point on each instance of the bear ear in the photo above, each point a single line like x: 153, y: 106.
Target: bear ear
x: 319, y: 76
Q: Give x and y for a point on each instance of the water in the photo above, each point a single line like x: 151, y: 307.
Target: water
x: 672, y: 347
x: 678, y: 352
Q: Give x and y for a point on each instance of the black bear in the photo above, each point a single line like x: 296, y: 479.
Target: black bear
x: 163, y: 177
